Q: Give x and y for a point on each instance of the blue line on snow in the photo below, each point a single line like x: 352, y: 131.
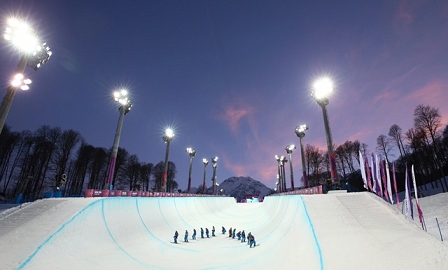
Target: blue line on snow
x: 112, y: 237
x: 51, y: 236
x: 321, y: 261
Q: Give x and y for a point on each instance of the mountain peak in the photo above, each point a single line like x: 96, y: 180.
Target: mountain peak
x: 239, y: 186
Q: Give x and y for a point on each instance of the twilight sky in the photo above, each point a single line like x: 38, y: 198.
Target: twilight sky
x: 233, y: 78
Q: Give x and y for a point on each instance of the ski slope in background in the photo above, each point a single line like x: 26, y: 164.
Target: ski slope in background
x: 332, y: 231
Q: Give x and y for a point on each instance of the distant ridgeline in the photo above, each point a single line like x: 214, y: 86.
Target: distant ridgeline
x: 239, y: 187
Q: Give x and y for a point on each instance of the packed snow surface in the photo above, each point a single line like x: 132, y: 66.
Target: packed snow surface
x: 331, y: 231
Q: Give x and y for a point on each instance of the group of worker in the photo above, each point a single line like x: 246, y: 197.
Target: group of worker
x: 232, y: 233
x: 241, y: 236
x: 193, y: 236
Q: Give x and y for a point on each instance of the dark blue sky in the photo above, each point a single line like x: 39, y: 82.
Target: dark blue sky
x: 233, y: 78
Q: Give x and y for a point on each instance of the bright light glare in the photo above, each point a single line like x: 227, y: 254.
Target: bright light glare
x: 169, y: 133
x: 191, y: 151
x: 121, y: 96
x: 18, y: 81
x: 205, y: 161
x: 291, y: 147
x: 302, y: 128
x: 21, y: 36
x: 322, y: 88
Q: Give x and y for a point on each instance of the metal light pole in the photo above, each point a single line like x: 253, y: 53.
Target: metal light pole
x: 169, y: 135
x: 289, y: 149
x: 215, y: 165
x: 283, y: 160
x: 121, y: 97
x: 191, y: 152
x: 300, y: 132
x: 205, y: 161
x: 321, y: 89
x: 33, y: 55
x: 279, y: 174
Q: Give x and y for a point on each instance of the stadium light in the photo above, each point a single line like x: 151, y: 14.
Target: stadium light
x: 167, y: 138
x: 289, y: 149
x: 205, y: 161
x: 191, y: 152
x: 34, y: 55
x: 215, y: 165
x: 300, y: 132
x: 125, y: 105
x: 322, y: 88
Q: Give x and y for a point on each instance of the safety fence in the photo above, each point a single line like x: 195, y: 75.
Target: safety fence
x: 303, y: 191
x: 126, y: 193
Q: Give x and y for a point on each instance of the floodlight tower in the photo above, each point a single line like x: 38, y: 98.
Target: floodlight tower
x: 191, y: 152
x: 300, y: 132
x: 167, y: 138
x: 34, y: 55
x: 322, y: 88
x: 215, y: 165
x: 289, y: 149
x: 283, y: 160
x: 279, y: 174
x: 125, y: 105
x: 205, y: 161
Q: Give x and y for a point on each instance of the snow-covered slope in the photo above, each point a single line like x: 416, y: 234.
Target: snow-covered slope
x: 331, y: 231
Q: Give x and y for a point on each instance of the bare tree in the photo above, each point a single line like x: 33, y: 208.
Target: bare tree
x: 64, y: 147
x: 82, y: 165
x: 395, y: 134
x: 131, y: 174
x: 316, y: 167
x: 428, y: 119
x: 98, y: 168
x: 364, y: 149
x: 145, y: 174
x: 384, y: 145
x: 158, y: 171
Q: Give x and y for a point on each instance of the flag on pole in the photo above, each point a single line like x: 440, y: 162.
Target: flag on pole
x: 383, y: 177
x: 373, y: 172
x: 419, y: 210
x: 395, y: 186
x: 408, y: 200
x: 375, y: 176
x: 363, y: 170
x: 389, y: 186
x: 378, y: 176
x: 369, y: 174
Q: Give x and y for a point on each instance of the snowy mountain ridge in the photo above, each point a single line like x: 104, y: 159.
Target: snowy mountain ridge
x: 238, y: 187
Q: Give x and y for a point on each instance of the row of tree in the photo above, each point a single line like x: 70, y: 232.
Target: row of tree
x: 425, y: 145
x: 31, y: 163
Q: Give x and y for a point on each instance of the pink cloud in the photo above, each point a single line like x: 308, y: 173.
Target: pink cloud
x: 433, y: 94
x: 389, y: 95
x: 429, y: 93
x: 391, y: 89
x: 234, y: 112
x: 404, y: 14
